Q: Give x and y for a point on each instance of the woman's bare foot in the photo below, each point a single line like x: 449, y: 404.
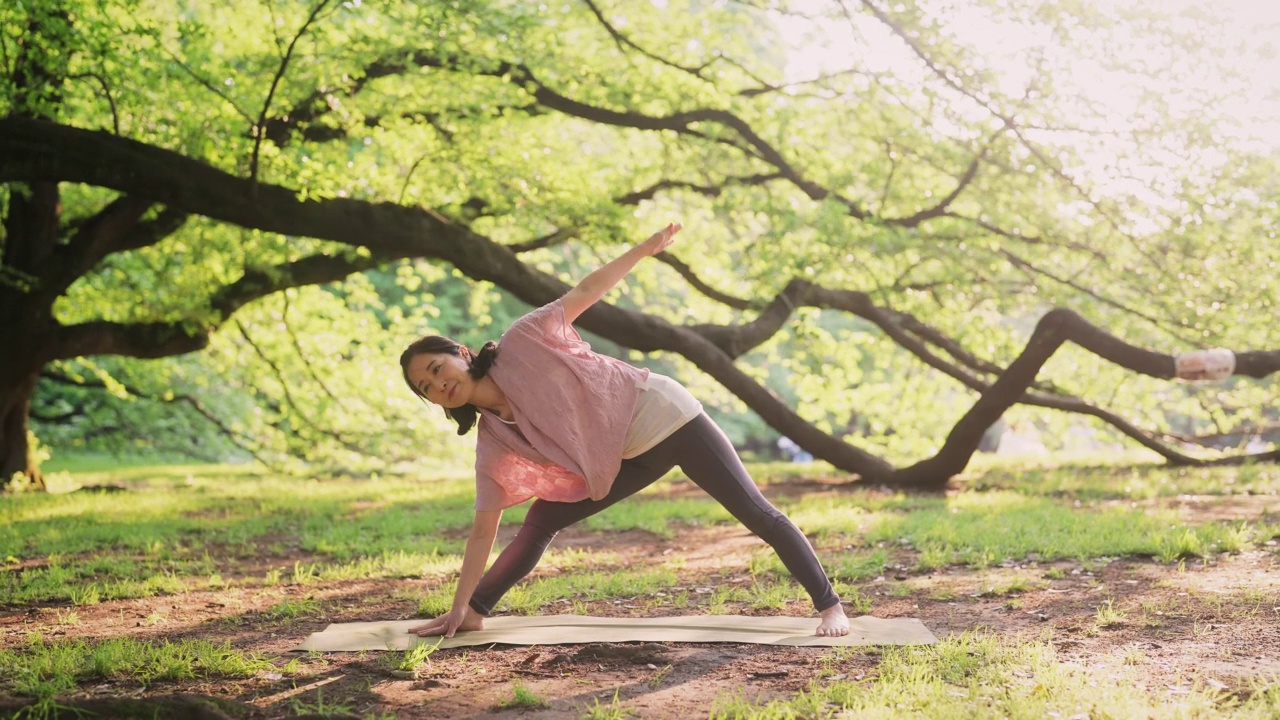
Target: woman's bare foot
x: 472, y: 621
x: 834, y: 622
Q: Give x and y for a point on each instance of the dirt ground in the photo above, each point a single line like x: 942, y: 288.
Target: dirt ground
x: 1215, y: 621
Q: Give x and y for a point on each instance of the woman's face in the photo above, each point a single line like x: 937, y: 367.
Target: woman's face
x: 441, y: 378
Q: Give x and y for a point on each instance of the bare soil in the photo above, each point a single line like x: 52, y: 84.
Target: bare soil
x: 1215, y: 621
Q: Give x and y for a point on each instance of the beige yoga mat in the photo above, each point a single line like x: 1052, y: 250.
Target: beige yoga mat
x: 578, y: 629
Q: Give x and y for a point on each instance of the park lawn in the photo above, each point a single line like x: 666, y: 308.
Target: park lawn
x: 1068, y: 591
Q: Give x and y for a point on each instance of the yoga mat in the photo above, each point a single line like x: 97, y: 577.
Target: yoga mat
x: 579, y: 629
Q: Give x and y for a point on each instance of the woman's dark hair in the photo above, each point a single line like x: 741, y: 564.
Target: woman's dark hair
x: 478, y: 366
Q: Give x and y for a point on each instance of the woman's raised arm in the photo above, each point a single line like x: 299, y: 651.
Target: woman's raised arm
x: 594, y: 286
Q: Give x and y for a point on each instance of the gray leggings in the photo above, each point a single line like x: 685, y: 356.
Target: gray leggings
x: 703, y: 452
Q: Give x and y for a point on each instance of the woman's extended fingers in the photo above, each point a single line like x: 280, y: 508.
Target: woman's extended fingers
x: 435, y: 627
x: 662, y: 239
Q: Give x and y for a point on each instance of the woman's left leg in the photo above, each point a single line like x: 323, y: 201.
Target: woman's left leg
x: 707, y: 458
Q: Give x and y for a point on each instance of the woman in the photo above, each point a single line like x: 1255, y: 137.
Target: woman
x: 581, y: 431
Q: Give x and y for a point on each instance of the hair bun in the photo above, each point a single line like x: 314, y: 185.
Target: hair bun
x: 483, y: 360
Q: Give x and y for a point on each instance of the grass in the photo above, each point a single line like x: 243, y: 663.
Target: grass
x: 979, y: 676
x: 319, y: 707
x: 45, y: 670
x: 187, y: 528
x: 1109, y: 615
x: 523, y: 697
x: 658, y: 515
x: 980, y: 529
x: 613, y: 711
x: 413, y: 659
x: 289, y: 609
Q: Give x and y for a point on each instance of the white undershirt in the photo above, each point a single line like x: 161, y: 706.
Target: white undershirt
x: 663, y: 407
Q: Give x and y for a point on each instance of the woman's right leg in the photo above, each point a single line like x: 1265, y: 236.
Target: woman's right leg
x: 707, y: 457
x: 545, y: 519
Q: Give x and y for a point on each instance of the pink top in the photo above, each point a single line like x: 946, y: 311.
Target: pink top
x: 572, y: 409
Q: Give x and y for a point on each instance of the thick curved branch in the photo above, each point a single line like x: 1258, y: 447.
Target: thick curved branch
x: 42, y: 150
x: 737, y: 340
x: 49, y: 151
x: 113, y: 229
x: 162, y: 339
x: 33, y: 150
x: 1055, y: 328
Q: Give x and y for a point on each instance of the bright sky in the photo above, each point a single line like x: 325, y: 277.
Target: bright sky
x: 1250, y: 43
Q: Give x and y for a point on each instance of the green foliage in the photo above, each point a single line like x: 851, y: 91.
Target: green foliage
x: 1156, y: 224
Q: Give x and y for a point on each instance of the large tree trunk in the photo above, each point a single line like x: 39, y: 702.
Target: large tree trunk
x: 30, y: 236
x: 15, y: 408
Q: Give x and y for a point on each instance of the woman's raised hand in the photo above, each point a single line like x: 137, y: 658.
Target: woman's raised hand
x: 662, y: 239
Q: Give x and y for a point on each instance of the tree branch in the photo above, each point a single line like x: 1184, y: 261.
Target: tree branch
x: 106, y: 90
x: 243, y: 442
x: 275, y: 82
x: 288, y: 394
x: 624, y: 42
x: 1055, y: 328
x: 162, y: 339
x: 113, y: 229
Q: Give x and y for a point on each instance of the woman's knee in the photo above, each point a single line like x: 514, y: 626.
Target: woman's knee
x: 766, y: 522
x: 536, y: 534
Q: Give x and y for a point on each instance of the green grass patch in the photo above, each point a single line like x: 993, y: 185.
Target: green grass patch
x: 613, y: 711
x: 979, y: 676
x: 44, y: 670
x: 290, y: 609
x: 538, y: 596
x: 1139, y: 481
x: 344, y: 519
x: 522, y: 697
x: 414, y: 658
x: 982, y: 529
x: 658, y: 515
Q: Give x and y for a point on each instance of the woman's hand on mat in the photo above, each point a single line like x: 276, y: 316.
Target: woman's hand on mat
x: 834, y: 622
x: 450, y: 623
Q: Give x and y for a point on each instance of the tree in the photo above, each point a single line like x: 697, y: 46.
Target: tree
x: 245, y: 158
